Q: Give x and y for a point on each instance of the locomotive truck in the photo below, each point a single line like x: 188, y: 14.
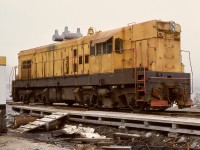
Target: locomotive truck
x: 138, y: 66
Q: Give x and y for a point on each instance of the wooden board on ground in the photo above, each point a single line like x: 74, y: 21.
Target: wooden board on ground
x: 41, y: 122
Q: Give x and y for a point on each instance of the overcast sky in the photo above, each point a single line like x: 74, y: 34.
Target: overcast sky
x: 26, y: 24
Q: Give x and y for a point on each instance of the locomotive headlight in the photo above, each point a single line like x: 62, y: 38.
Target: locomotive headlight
x: 172, y: 26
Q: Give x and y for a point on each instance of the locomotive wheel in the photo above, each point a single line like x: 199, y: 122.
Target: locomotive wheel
x: 26, y: 100
x: 180, y: 106
x: 32, y: 100
x: 162, y: 109
x: 139, y: 107
x: 93, y: 102
x: 47, y: 102
x: 70, y: 103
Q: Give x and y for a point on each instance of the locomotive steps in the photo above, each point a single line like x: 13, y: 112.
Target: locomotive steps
x: 143, y: 121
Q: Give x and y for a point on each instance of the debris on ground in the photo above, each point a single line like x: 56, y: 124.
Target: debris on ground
x: 193, y: 145
x: 48, y: 122
x: 79, y: 133
x: 18, y: 121
x: 148, y: 134
x: 85, y: 147
x: 75, y: 136
x: 118, y: 136
x: 182, y: 140
x: 115, y: 147
x: 173, y: 134
x: 93, y: 140
x: 85, y: 132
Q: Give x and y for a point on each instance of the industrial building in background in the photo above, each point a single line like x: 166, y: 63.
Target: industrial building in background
x: 2, y: 94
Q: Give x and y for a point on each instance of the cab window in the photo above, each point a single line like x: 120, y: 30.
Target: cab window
x: 26, y: 64
x: 92, y: 49
x: 102, y: 48
x: 118, y: 45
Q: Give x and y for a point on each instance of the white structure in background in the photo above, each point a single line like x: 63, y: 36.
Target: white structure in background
x: 8, y: 90
x: 2, y: 81
x: 2, y: 93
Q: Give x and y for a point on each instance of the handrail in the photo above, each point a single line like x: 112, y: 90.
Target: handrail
x: 190, y: 68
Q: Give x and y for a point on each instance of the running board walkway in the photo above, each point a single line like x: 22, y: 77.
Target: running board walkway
x: 172, y: 124
x: 45, y: 122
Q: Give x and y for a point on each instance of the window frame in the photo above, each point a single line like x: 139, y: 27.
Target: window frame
x: 86, y: 56
x: 75, y: 52
x: 104, y: 47
x: 92, y: 49
x: 27, y: 64
x: 98, y: 48
x: 109, y: 44
x: 80, y: 60
x: 118, y: 45
x: 67, y: 65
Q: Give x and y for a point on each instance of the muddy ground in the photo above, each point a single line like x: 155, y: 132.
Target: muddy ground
x: 43, y: 140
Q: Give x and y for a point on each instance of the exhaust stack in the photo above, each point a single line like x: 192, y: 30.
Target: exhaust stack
x: 66, y: 35
x: 57, y: 37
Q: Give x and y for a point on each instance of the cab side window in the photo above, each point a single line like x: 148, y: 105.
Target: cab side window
x: 92, y: 49
x: 118, y: 45
x: 26, y: 69
x: 101, y: 48
x: 26, y: 64
x: 109, y: 46
x: 86, y: 59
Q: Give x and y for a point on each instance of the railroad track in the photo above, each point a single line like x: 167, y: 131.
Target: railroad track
x: 186, y: 122
x: 189, y: 112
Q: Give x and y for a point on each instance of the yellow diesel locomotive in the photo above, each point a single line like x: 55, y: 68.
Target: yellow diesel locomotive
x: 137, y: 66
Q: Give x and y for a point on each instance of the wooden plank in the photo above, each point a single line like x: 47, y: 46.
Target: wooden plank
x: 23, y: 120
x: 115, y: 147
x: 125, y: 135
x: 26, y: 128
x: 37, y: 123
x: 53, y: 116
x: 29, y: 126
x: 21, y: 130
x: 96, y: 121
x: 46, y: 119
x: 92, y: 139
x: 41, y: 122
x: 104, y: 143
x: 60, y: 113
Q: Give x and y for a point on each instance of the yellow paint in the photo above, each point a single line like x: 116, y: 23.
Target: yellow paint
x: 2, y: 60
x: 149, y: 44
